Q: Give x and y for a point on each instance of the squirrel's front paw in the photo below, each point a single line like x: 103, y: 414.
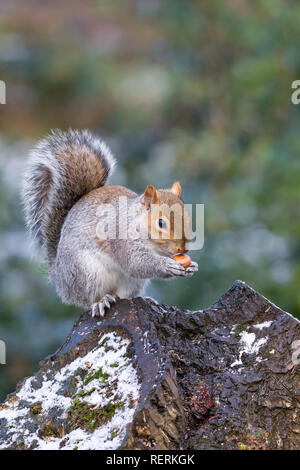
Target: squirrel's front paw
x: 176, y: 269
x: 99, y: 308
x: 173, y: 268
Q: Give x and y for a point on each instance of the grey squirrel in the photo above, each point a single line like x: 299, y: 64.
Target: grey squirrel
x: 62, y: 192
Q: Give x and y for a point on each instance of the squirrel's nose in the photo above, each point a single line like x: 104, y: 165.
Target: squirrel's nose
x: 180, y: 249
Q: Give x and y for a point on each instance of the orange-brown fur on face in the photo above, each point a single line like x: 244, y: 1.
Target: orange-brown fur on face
x: 166, y: 204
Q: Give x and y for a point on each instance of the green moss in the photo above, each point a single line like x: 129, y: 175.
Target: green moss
x: 102, y: 375
x: 114, y: 433
x: 114, y: 364
x: 239, y: 329
x: 36, y: 408
x: 50, y: 430
x: 253, y: 441
x: 242, y: 446
x: 110, y: 409
x: 104, y: 344
x: 89, y: 377
x: 92, y: 375
x: 152, y: 391
x: 85, y: 416
x: 85, y: 393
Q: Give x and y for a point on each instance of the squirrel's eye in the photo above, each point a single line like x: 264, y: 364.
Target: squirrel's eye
x: 161, y: 223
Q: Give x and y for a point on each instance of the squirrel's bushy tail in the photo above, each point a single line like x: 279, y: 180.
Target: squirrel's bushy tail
x: 62, y: 168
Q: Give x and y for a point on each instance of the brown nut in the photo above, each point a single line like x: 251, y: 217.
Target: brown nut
x: 184, y: 260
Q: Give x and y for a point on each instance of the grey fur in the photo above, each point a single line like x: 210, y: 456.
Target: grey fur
x: 48, y: 190
x: 65, y: 223
x: 130, y: 263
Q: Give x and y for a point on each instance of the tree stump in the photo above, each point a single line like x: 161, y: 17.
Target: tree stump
x: 156, y: 377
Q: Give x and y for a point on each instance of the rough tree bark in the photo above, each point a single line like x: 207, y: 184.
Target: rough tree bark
x: 223, y: 378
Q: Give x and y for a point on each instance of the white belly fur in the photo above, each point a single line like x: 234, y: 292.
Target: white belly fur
x: 108, y: 278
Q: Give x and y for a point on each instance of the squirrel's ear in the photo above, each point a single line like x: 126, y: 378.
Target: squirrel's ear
x: 176, y: 189
x: 150, y: 196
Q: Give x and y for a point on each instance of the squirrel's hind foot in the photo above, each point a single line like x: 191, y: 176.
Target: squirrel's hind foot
x: 100, y: 307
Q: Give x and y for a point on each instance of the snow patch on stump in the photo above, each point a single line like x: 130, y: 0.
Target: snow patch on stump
x: 250, y: 345
x: 86, y: 405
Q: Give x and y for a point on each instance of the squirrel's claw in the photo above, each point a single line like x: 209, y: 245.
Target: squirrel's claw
x: 191, y: 269
x: 99, y: 308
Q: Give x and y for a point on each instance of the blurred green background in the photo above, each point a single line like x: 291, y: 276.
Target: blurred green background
x: 188, y: 90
